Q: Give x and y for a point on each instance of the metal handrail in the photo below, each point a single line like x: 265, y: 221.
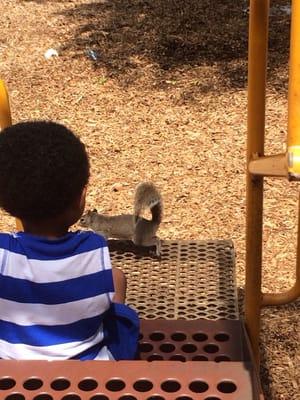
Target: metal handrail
x: 257, y: 67
x: 5, y: 114
x: 293, y: 137
x: 5, y: 121
x: 259, y: 165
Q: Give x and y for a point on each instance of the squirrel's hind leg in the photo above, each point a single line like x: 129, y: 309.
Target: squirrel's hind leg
x: 158, y: 246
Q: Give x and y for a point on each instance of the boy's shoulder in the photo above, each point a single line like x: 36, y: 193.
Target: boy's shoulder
x: 4, y: 235
x: 90, y: 236
x: 79, y: 241
x: 7, y: 237
x: 9, y: 242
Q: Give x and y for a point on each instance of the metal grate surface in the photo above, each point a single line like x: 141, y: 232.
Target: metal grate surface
x: 196, y: 340
x: 125, y: 380
x: 191, y: 280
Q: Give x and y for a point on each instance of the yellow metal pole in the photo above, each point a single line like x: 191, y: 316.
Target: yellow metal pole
x: 293, y: 138
x: 5, y: 115
x: 257, y: 66
x: 5, y: 121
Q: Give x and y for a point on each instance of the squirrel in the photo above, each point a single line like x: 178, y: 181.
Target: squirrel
x: 131, y: 226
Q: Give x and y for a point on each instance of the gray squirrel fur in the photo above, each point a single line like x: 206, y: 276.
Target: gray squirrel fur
x: 131, y: 226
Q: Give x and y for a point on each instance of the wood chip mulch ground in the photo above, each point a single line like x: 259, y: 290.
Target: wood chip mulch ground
x: 157, y: 91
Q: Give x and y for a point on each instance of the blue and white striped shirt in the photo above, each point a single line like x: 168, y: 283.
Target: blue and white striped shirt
x: 53, y: 295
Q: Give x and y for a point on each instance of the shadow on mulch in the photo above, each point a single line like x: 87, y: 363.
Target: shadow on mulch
x: 172, y: 35
x: 279, y: 342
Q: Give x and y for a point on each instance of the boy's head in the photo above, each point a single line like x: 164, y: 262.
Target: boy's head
x: 44, y: 169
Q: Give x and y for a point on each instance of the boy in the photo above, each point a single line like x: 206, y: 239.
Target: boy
x: 59, y: 296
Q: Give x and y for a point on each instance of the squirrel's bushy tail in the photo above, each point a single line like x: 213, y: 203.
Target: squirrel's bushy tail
x: 148, y: 196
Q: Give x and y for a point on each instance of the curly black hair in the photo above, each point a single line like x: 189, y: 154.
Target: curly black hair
x: 43, y: 168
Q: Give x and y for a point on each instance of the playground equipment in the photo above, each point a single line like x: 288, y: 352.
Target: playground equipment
x: 182, y: 356
x: 282, y: 165
x: 185, y: 317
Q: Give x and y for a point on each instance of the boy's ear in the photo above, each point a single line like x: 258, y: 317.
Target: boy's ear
x: 82, y: 198
x: 83, y: 193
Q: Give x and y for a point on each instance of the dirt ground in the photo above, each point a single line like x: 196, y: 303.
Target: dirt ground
x: 157, y: 91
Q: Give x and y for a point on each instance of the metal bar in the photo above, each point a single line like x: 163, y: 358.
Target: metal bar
x: 257, y: 66
x: 279, y: 299
x: 293, y: 144
x: 276, y: 299
x: 275, y: 166
x: 5, y: 121
x: 5, y: 115
x: 293, y: 139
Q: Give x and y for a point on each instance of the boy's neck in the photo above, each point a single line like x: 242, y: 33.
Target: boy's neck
x: 45, y: 230
x: 57, y: 226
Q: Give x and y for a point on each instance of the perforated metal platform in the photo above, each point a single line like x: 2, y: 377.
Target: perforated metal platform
x: 124, y: 380
x: 196, y: 340
x: 203, y: 359
x: 192, y: 279
x: 229, y: 375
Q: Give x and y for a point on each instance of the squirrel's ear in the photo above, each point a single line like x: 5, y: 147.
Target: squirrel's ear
x: 94, y: 210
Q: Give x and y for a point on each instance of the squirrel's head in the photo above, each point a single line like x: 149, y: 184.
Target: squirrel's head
x: 87, y: 219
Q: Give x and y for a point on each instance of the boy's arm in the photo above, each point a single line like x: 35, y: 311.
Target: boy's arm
x: 120, y: 285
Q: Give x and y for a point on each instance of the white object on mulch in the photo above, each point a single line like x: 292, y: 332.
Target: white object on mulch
x: 50, y: 53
